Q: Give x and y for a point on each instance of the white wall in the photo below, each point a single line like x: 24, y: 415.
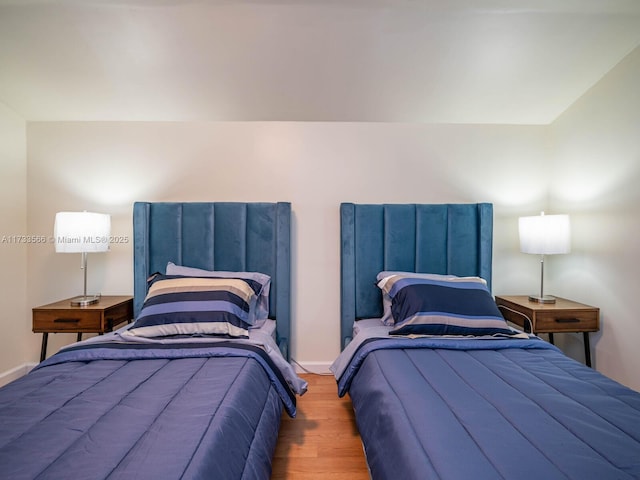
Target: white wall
x: 15, y: 320
x: 596, y: 179
x: 105, y: 167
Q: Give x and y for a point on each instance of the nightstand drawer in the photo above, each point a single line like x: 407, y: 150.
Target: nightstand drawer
x: 67, y: 321
x: 566, y: 321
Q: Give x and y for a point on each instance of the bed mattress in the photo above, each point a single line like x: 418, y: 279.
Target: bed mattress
x: 144, y: 411
x: 433, y: 408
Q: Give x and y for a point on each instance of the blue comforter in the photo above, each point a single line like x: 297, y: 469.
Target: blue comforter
x: 473, y: 410
x: 141, y: 411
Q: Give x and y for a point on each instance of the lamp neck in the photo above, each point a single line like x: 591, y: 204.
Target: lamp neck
x: 84, y: 268
x: 541, y: 276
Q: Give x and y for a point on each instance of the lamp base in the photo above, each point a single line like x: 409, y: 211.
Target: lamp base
x: 84, y: 300
x: 542, y: 299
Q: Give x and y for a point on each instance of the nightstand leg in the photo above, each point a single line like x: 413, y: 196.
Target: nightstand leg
x: 79, y: 337
x: 551, y: 338
x: 587, y: 349
x: 43, y: 349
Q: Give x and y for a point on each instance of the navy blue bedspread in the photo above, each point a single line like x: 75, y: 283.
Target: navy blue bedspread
x: 512, y: 413
x: 143, y: 413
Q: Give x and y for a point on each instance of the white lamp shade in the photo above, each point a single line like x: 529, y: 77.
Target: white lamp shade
x: 77, y: 232
x: 545, y: 234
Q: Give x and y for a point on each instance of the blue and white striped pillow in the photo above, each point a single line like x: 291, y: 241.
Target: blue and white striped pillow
x: 387, y: 317
x: 177, y: 305
x: 262, y: 306
x: 442, y: 306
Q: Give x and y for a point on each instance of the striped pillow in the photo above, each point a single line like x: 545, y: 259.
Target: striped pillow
x: 387, y: 317
x: 446, y: 306
x: 177, y: 305
x: 262, y: 305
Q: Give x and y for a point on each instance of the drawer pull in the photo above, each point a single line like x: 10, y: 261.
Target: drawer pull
x: 567, y: 320
x: 66, y: 320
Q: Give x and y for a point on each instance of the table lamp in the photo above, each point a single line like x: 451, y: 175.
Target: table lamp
x: 544, y: 235
x: 82, y: 232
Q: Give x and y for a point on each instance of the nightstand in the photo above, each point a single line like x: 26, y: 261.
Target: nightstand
x: 560, y: 317
x: 61, y: 317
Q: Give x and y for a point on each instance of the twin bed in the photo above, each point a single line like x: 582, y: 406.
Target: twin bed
x: 178, y: 402
x: 472, y: 399
x: 442, y: 401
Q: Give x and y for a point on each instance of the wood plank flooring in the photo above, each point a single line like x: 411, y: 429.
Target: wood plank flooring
x: 322, y: 441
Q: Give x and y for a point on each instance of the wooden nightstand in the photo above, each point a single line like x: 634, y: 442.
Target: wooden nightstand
x: 560, y: 317
x: 101, y: 317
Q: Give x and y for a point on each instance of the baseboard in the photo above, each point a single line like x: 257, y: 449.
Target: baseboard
x: 319, y: 368
x: 15, y: 373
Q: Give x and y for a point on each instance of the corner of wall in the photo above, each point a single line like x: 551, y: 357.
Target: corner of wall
x: 15, y: 321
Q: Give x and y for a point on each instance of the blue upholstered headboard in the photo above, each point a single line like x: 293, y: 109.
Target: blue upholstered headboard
x: 451, y: 239
x: 217, y: 236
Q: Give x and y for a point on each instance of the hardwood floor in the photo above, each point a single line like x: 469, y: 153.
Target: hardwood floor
x: 322, y: 441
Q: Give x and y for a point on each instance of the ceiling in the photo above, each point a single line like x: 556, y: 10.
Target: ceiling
x: 446, y: 61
